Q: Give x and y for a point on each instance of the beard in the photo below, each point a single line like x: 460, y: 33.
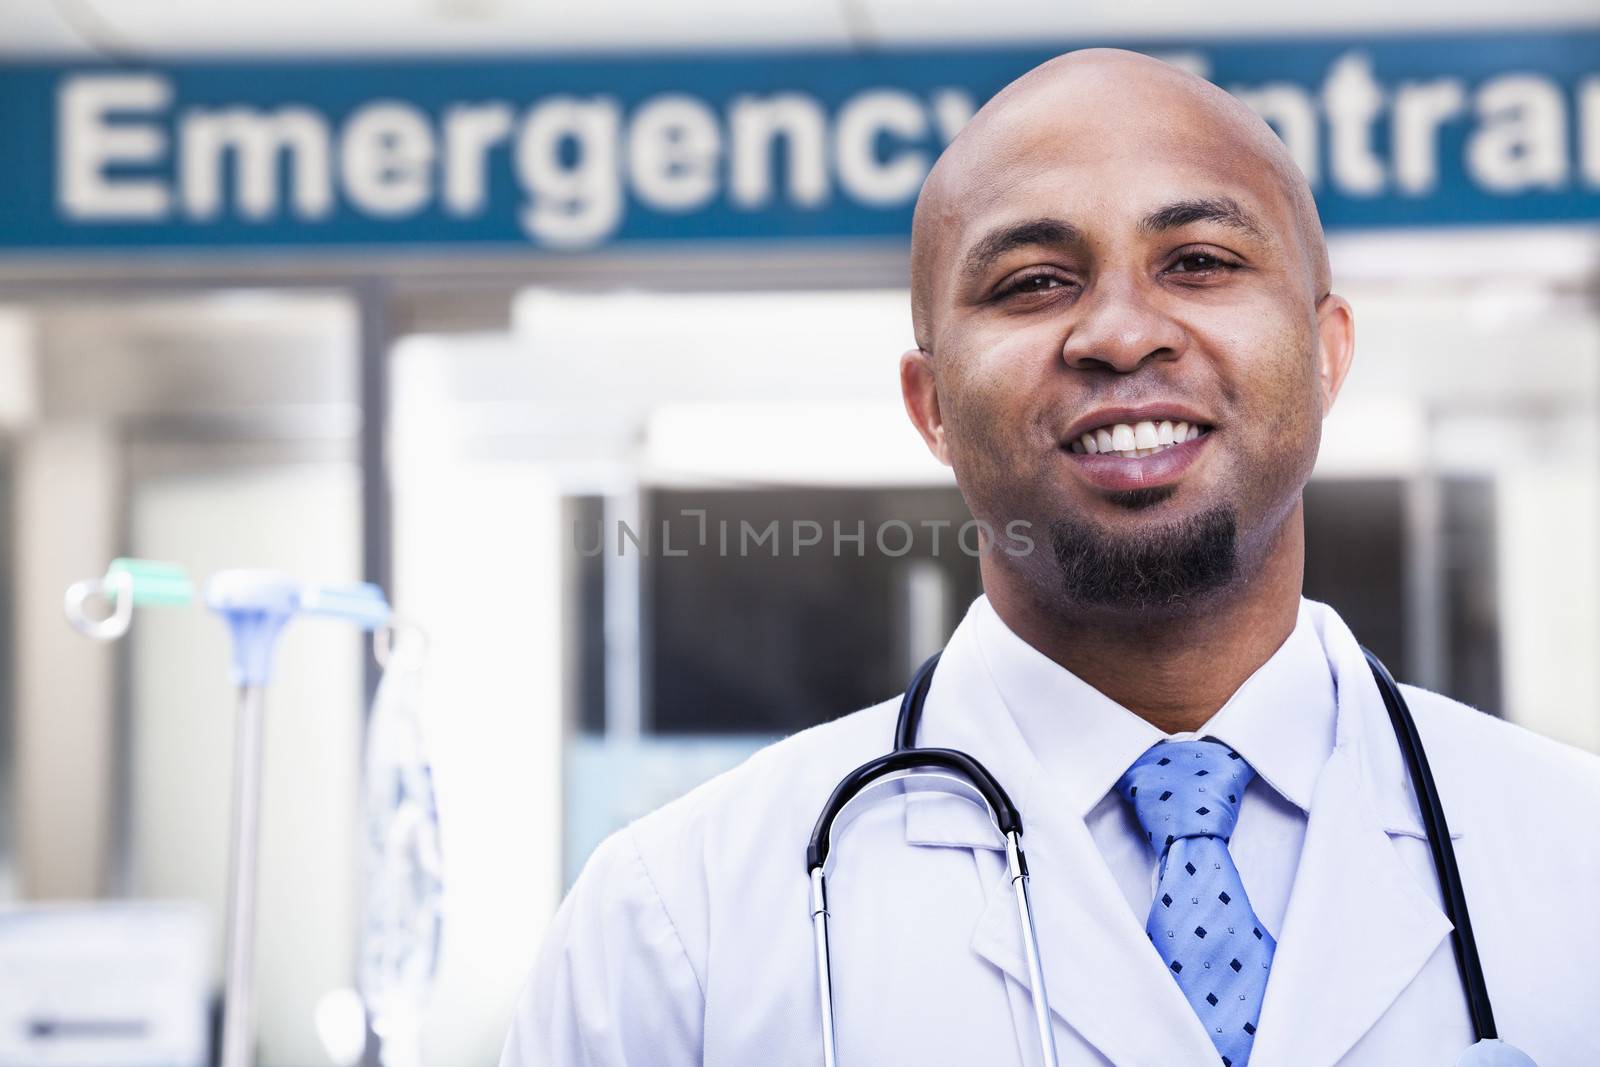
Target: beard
x: 1165, y: 567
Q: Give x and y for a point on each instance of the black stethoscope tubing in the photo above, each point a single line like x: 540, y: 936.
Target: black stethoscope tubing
x: 1444, y: 853
x: 906, y: 755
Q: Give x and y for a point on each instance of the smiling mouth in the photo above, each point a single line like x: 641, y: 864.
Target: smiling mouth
x: 1135, y: 440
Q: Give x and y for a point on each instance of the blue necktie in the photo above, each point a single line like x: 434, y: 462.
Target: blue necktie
x: 1186, y: 795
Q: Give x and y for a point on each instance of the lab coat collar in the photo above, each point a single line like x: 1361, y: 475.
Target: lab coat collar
x: 1281, y: 720
x: 1365, y: 729
x: 1086, y: 739
x: 1359, y: 925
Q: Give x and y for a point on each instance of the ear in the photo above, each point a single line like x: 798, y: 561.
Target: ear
x: 1336, y: 346
x: 920, y: 391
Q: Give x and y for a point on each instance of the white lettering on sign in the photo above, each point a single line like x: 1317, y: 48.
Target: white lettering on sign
x: 386, y: 159
x: 256, y: 141
x: 89, y: 144
x: 576, y: 203
x: 566, y: 169
x: 798, y: 122
x: 1353, y: 99
x: 470, y: 131
x: 1589, y: 130
x: 673, y: 146
x: 1420, y: 108
x: 864, y: 175
x: 1521, y: 141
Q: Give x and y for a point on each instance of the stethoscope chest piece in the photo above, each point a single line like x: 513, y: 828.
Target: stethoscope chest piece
x: 1494, y: 1053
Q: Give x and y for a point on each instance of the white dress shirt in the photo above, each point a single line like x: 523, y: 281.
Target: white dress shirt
x: 1281, y: 721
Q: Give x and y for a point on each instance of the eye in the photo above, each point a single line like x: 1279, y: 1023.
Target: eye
x: 1026, y: 284
x: 1198, y: 262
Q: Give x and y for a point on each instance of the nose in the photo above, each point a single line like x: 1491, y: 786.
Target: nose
x: 1117, y: 326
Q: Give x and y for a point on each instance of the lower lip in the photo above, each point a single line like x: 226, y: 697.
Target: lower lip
x: 1120, y: 473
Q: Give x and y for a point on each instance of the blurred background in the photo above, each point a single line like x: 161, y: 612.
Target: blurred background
x: 446, y: 294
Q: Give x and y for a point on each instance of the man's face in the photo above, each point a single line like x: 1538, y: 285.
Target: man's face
x: 1106, y: 281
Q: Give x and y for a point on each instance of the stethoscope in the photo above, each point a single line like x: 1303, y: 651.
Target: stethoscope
x: 957, y: 771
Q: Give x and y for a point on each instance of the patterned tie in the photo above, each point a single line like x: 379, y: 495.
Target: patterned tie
x: 1186, y: 795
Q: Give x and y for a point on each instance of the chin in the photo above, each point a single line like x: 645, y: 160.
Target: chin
x: 1170, y: 565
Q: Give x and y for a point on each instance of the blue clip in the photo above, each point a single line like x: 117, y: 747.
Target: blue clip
x: 362, y: 603
x: 256, y: 605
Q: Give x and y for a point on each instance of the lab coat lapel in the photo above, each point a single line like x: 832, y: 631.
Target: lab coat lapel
x: 1103, y: 977
x: 1359, y: 926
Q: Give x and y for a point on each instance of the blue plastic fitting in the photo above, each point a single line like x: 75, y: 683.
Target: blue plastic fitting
x: 255, y: 605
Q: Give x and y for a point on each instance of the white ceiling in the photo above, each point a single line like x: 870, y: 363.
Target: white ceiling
x: 38, y: 28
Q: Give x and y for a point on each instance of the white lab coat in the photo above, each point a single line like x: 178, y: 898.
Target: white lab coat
x: 688, y: 940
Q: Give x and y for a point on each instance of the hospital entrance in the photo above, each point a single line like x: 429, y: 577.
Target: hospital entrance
x: 653, y: 512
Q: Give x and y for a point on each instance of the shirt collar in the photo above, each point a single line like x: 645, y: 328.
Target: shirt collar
x: 1281, y: 720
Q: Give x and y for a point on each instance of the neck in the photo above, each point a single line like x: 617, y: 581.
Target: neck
x: 1174, y: 671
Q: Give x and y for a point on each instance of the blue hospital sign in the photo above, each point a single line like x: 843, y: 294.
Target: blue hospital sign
x: 578, y: 153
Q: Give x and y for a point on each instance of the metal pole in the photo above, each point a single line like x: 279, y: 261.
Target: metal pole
x: 1427, y: 657
x: 376, y: 337
x: 623, y: 574
x: 238, y: 1013
x: 377, y: 334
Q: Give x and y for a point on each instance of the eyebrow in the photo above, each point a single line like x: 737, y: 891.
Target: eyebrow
x: 996, y: 243
x: 1219, y: 209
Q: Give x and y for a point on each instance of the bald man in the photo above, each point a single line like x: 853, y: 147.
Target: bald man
x: 1126, y: 345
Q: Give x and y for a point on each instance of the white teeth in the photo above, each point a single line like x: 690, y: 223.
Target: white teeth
x: 1135, y: 440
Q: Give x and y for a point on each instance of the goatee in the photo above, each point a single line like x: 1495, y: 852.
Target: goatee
x: 1166, y: 566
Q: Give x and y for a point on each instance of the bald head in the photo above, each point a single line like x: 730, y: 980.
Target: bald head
x: 1065, y: 119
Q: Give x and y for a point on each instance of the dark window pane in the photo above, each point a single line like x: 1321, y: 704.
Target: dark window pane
x: 745, y: 641
x: 1355, y: 559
